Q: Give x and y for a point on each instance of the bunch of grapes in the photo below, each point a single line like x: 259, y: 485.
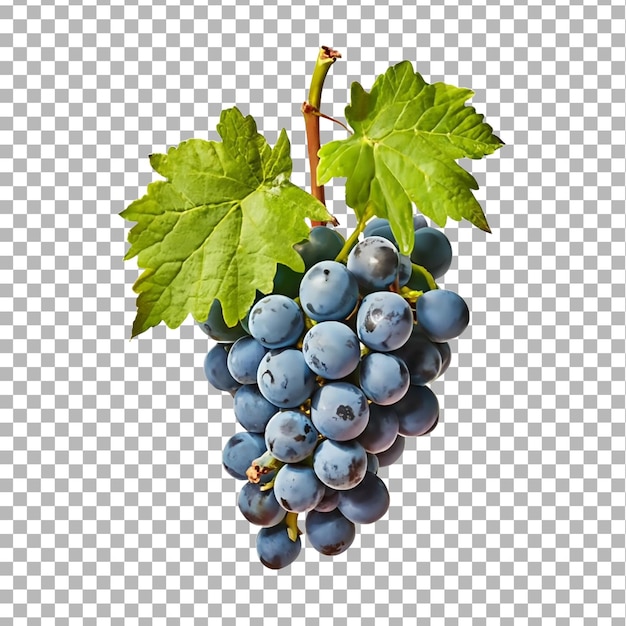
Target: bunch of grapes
x: 329, y: 374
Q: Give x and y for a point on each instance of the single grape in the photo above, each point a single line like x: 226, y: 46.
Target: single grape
x: 405, y: 270
x: 417, y: 280
x: 432, y: 250
x: 417, y: 411
x: 329, y: 501
x: 367, y: 502
x: 286, y: 281
x: 442, y: 315
x: 421, y: 356
x: 384, y: 321
x: 339, y: 411
x: 239, y: 452
x: 216, y: 369
x: 328, y: 291
x: 243, y: 359
x: 384, y: 231
x: 384, y: 378
x: 373, y: 224
x: 381, y: 430
x: 392, y: 453
x: 276, y: 321
x: 446, y: 356
x: 323, y: 244
x: 290, y: 436
x: 284, y: 378
x: 419, y: 221
x: 216, y: 328
x: 260, y: 507
x: 372, y: 463
x: 374, y: 262
x: 252, y: 410
x: 340, y: 465
x: 330, y: 533
x: 297, y: 488
x: 274, y: 547
x: 331, y: 350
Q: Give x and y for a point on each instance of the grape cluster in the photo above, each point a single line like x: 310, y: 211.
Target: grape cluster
x: 329, y: 374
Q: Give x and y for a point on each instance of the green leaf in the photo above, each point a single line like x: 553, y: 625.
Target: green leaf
x: 217, y: 227
x: 407, y: 137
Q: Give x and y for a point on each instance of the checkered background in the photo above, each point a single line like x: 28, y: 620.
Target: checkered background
x: 115, y: 507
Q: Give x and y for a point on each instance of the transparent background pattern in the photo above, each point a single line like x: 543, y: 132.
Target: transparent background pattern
x: 115, y: 507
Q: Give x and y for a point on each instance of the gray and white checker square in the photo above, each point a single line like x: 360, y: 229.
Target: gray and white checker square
x: 115, y: 506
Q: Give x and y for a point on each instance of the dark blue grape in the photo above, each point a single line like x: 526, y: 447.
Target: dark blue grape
x: 323, y: 244
x: 276, y: 321
x: 367, y: 502
x: 374, y: 263
x: 216, y: 328
x: 243, y: 360
x: 239, y: 452
x: 432, y: 250
x: 417, y: 411
x: 216, y: 369
x: 384, y: 321
x: 442, y: 315
x: 252, y: 410
x: 421, y: 356
x: 260, y: 507
x: 381, y: 430
x: 329, y: 501
x: 339, y: 411
x: 284, y: 378
x: 331, y: 350
x: 374, y: 224
x: 384, y: 378
x: 392, y: 453
x: 340, y: 465
x: 297, y: 488
x: 330, y: 533
x: 446, y: 357
x: 274, y: 547
x: 328, y: 291
x: 290, y: 436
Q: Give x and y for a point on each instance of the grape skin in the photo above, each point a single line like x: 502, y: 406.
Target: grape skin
x: 329, y: 501
x: 276, y: 321
x: 442, y: 315
x: 374, y: 262
x: 417, y: 411
x: 381, y: 430
x: 384, y: 378
x: 331, y: 350
x: 243, y: 359
x: 339, y: 411
x: 340, y: 465
x: 239, y: 452
x: 330, y: 533
x: 328, y: 291
x: 252, y: 410
x: 367, y: 502
x: 323, y: 244
x: 432, y: 250
x: 422, y: 357
x: 290, y: 436
x: 260, y: 507
x: 384, y: 321
x: 392, y: 453
x: 284, y: 378
x: 216, y: 369
x: 274, y: 547
x: 216, y: 328
x: 297, y: 488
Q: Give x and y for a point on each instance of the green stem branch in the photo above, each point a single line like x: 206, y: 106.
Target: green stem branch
x: 352, y: 239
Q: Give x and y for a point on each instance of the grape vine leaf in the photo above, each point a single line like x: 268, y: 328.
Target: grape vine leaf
x: 217, y: 227
x: 407, y: 137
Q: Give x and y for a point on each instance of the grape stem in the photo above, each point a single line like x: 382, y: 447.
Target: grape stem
x: 311, y: 111
x: 352, y: 239
x: 291, y: 520
x: 261, y: 466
